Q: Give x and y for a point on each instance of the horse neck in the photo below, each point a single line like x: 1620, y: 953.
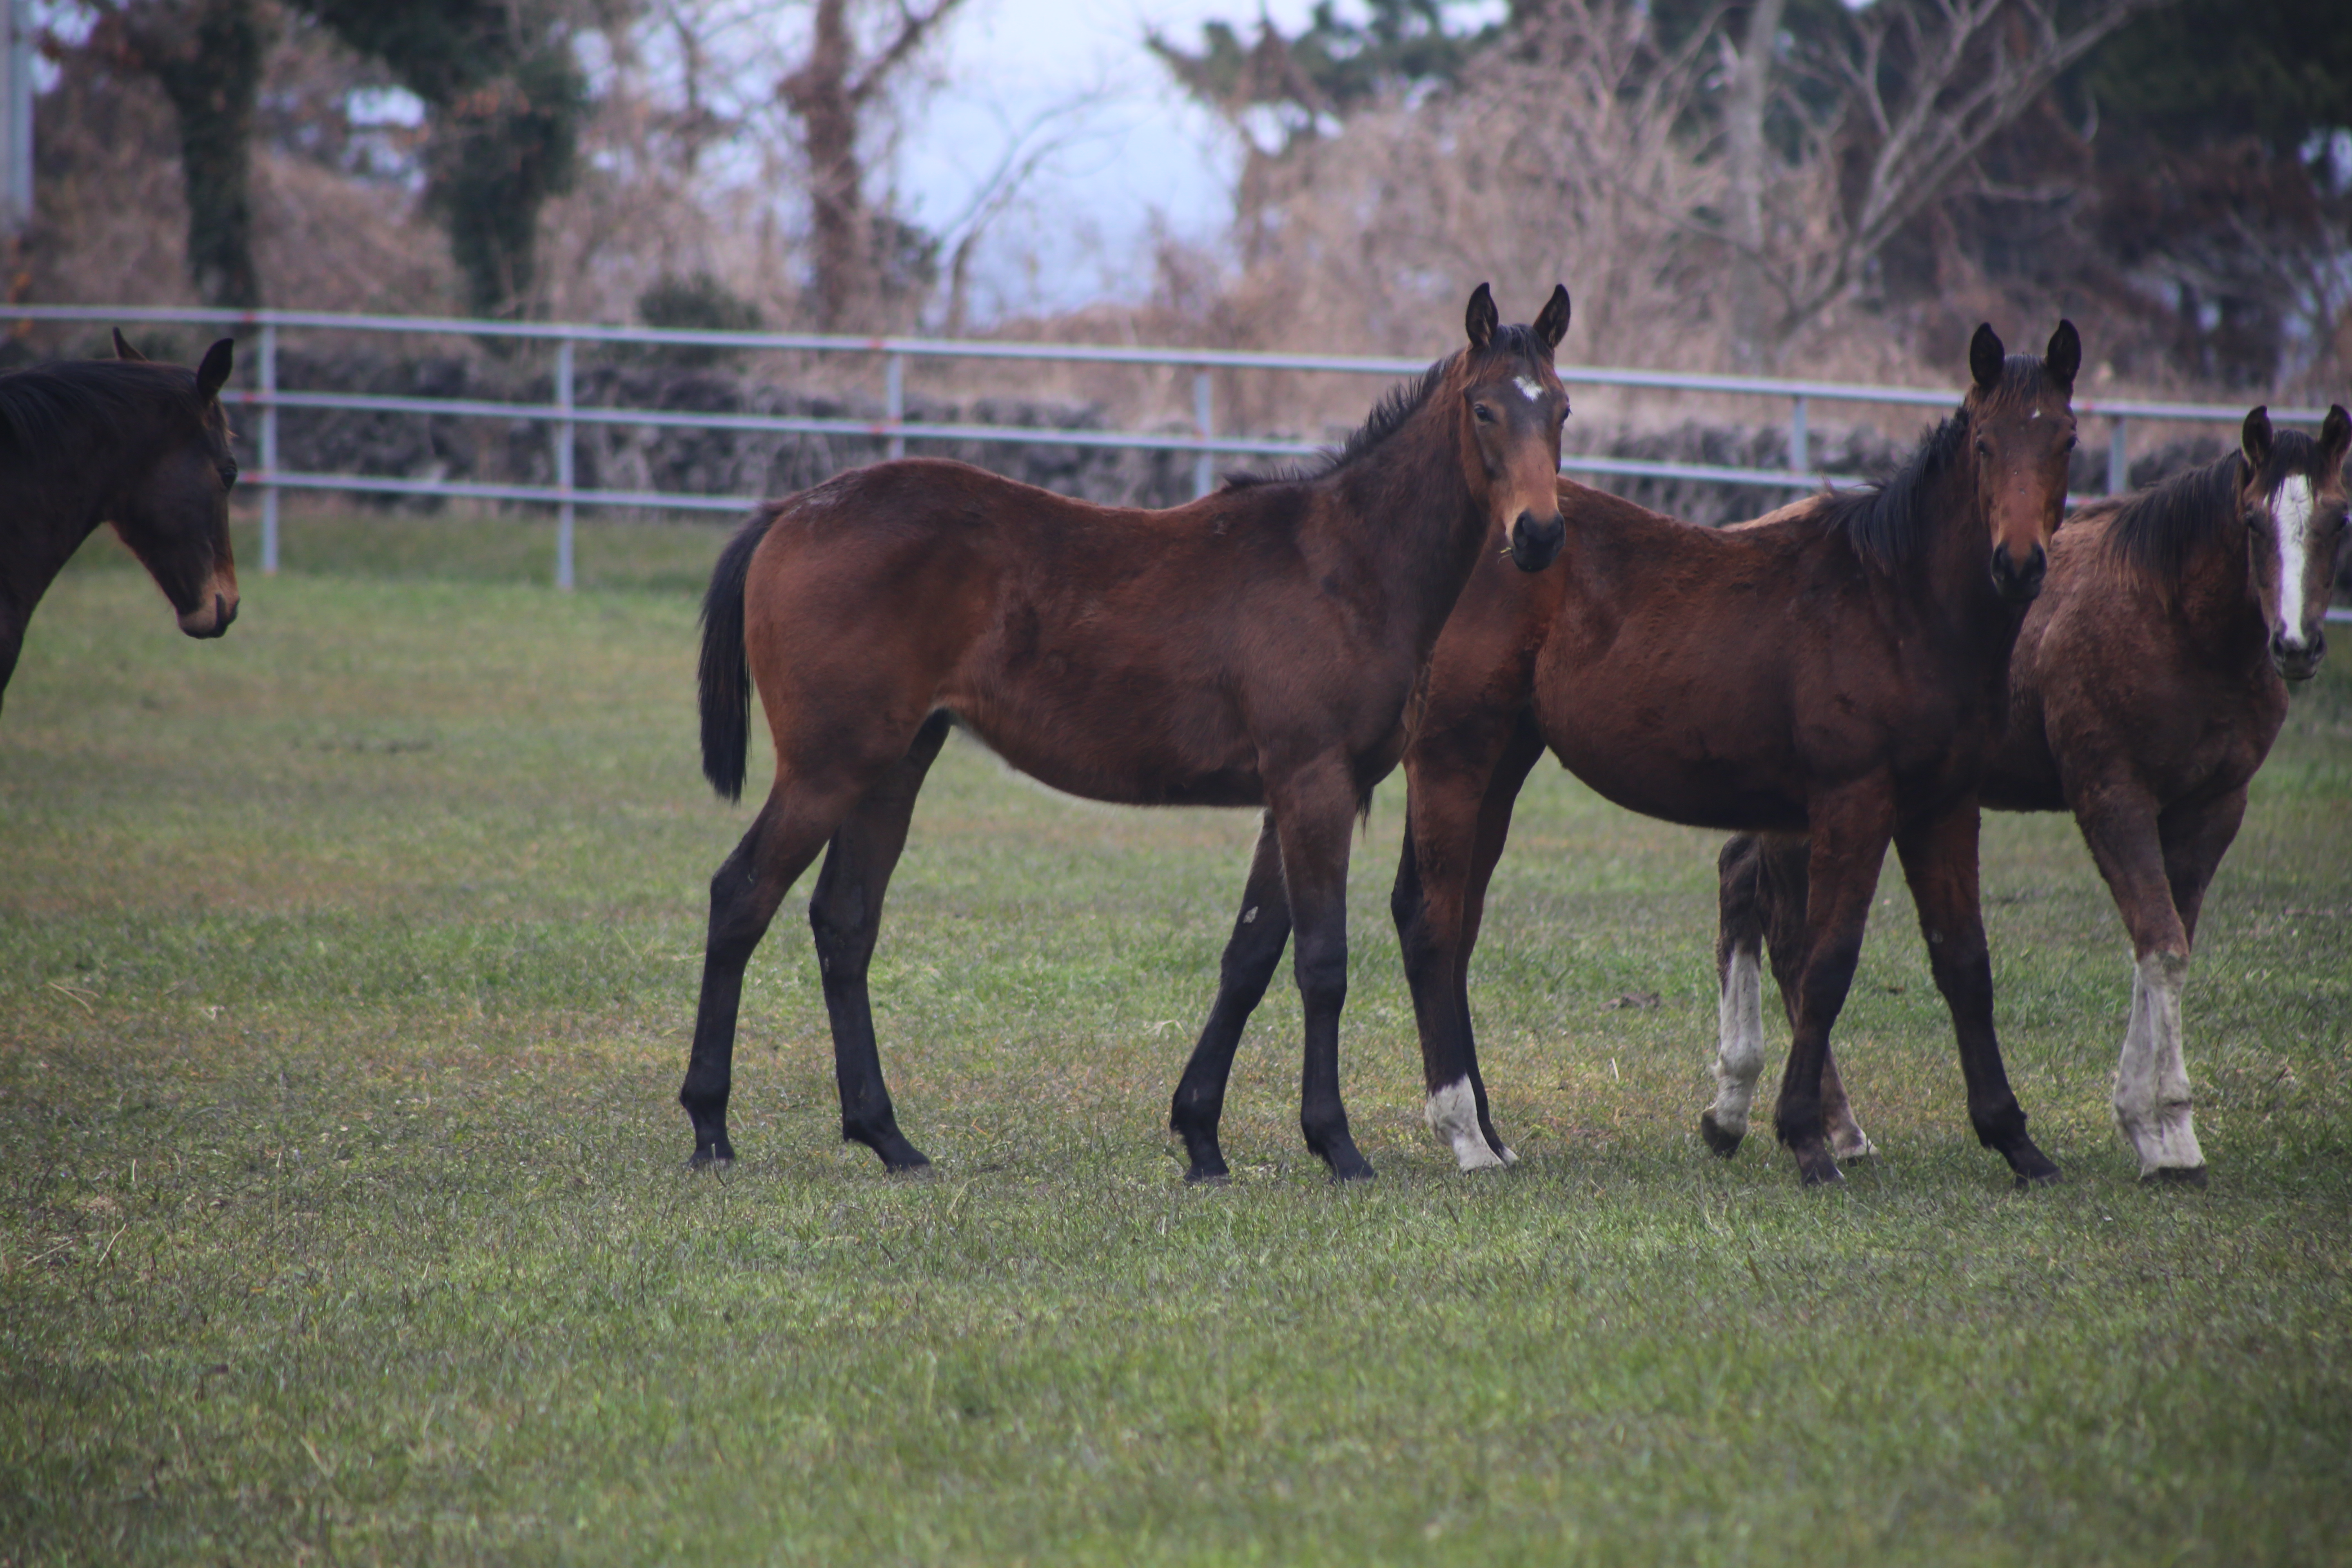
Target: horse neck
x: 1954, y: 570
x: 1426, y: 526
x: 58, y: 501
x: 2215, y: 595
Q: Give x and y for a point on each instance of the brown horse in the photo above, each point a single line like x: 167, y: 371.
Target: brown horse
x: 2148, y: 685
x: 142, y: 446
x: 1256, y: 646
x: 1841, y: 665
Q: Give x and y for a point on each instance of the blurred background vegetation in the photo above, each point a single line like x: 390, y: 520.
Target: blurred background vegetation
x: 1790, y: 185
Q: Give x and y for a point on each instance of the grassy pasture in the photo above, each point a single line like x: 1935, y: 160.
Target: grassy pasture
x: 346, y: 966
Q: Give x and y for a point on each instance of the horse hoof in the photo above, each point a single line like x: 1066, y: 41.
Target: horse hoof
x: 703, y: 1160
x: 1721, y: 1144
x: 1817, y: 1167
x: 2174, y: 1176
x: 1347, y: 1165
x: 1197, y: 1177
x: 2033, y: 1168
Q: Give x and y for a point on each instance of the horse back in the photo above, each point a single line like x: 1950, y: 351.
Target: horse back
x: 1178, y: 637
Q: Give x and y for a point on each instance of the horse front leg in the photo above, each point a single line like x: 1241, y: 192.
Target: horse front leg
x: 2153, y: 1105
x: 1939, y: 860
x: 1260, y: 932
x: 1312, y: 809
x: 1850, y: 829
x: 845, y: 916
x: 2194, y: 839
x: 1457, y: 818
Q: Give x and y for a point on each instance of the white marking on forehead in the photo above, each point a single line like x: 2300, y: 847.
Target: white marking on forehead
x: 1530, y: 386
x: 2290, y: 506
x: 2035, y: 415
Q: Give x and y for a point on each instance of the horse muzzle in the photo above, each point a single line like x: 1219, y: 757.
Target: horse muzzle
x: 209, y: 620
x: 2019, y: 584
x: 2298, y: 659
x: 1535, y: 541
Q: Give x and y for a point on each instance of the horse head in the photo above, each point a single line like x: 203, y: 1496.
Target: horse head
x: 173, y: 513
x: 1512, y: 408
x: 2021, y: 424
x: 2292, y: 495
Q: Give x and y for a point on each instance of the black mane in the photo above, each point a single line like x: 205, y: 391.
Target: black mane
x: 2159, y: 531
x: 1882, y: 520
x: 1396, y: 405
x: 42, y: 408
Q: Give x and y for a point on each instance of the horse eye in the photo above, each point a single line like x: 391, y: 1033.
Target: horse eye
x: 2072, y: 443
x: 1984, y: 449
x: 1485, y: 415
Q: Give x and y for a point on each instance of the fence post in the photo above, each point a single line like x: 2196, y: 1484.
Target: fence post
x: 2118, y: 470
x: 1798, y: 458
x: 269, y: 448
x: 563, y: 511
x: 893, y: 396
x: 1204, y: 478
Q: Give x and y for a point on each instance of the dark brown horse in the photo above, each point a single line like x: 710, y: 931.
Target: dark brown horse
x: 1256, y: 646
x: 1842, y: 665
x: 2148, y: 685
x: 142, y: 446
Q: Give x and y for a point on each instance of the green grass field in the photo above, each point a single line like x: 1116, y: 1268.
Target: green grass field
x: 346, y: 966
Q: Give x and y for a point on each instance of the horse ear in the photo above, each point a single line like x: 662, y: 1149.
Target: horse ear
x: 2335, y: 438
x: 1985, y: 356
x: 2256, y: 437
x: 213, y: 375
x: 122, y: 349
x: 1552, y: 325
x: 1480, y: 320
x: 2063, y: 357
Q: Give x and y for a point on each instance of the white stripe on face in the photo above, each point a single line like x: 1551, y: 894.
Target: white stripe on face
x: 1530, y: 386
x: 2291, y: 507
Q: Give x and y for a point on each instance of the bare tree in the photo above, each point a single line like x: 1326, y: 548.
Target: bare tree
x: 1917, y: 87
x: 831, y: 92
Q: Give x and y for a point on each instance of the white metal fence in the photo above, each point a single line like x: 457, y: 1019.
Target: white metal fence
x: 896, y: 430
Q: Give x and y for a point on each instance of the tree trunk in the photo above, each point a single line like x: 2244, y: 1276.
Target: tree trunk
x: 821, y: 97
x: 1750, y: 296
x: 208, y: 59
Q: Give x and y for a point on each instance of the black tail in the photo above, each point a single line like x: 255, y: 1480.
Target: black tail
x: 726, y: 677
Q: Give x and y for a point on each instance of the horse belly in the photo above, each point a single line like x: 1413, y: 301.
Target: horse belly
x: 1672, y: 739
x: 1089, y: 733
x: 1682, y: 773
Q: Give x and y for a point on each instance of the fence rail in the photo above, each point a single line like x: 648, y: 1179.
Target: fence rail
x: 895, y: 429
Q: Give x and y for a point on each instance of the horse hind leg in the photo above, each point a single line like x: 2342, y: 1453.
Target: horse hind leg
x: 845, y: 916
x: 744, y: 893
x: 1739, y: 1007
x: 1261, y: 931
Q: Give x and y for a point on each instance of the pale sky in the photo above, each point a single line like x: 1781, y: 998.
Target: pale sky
x: 1132, y: 145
